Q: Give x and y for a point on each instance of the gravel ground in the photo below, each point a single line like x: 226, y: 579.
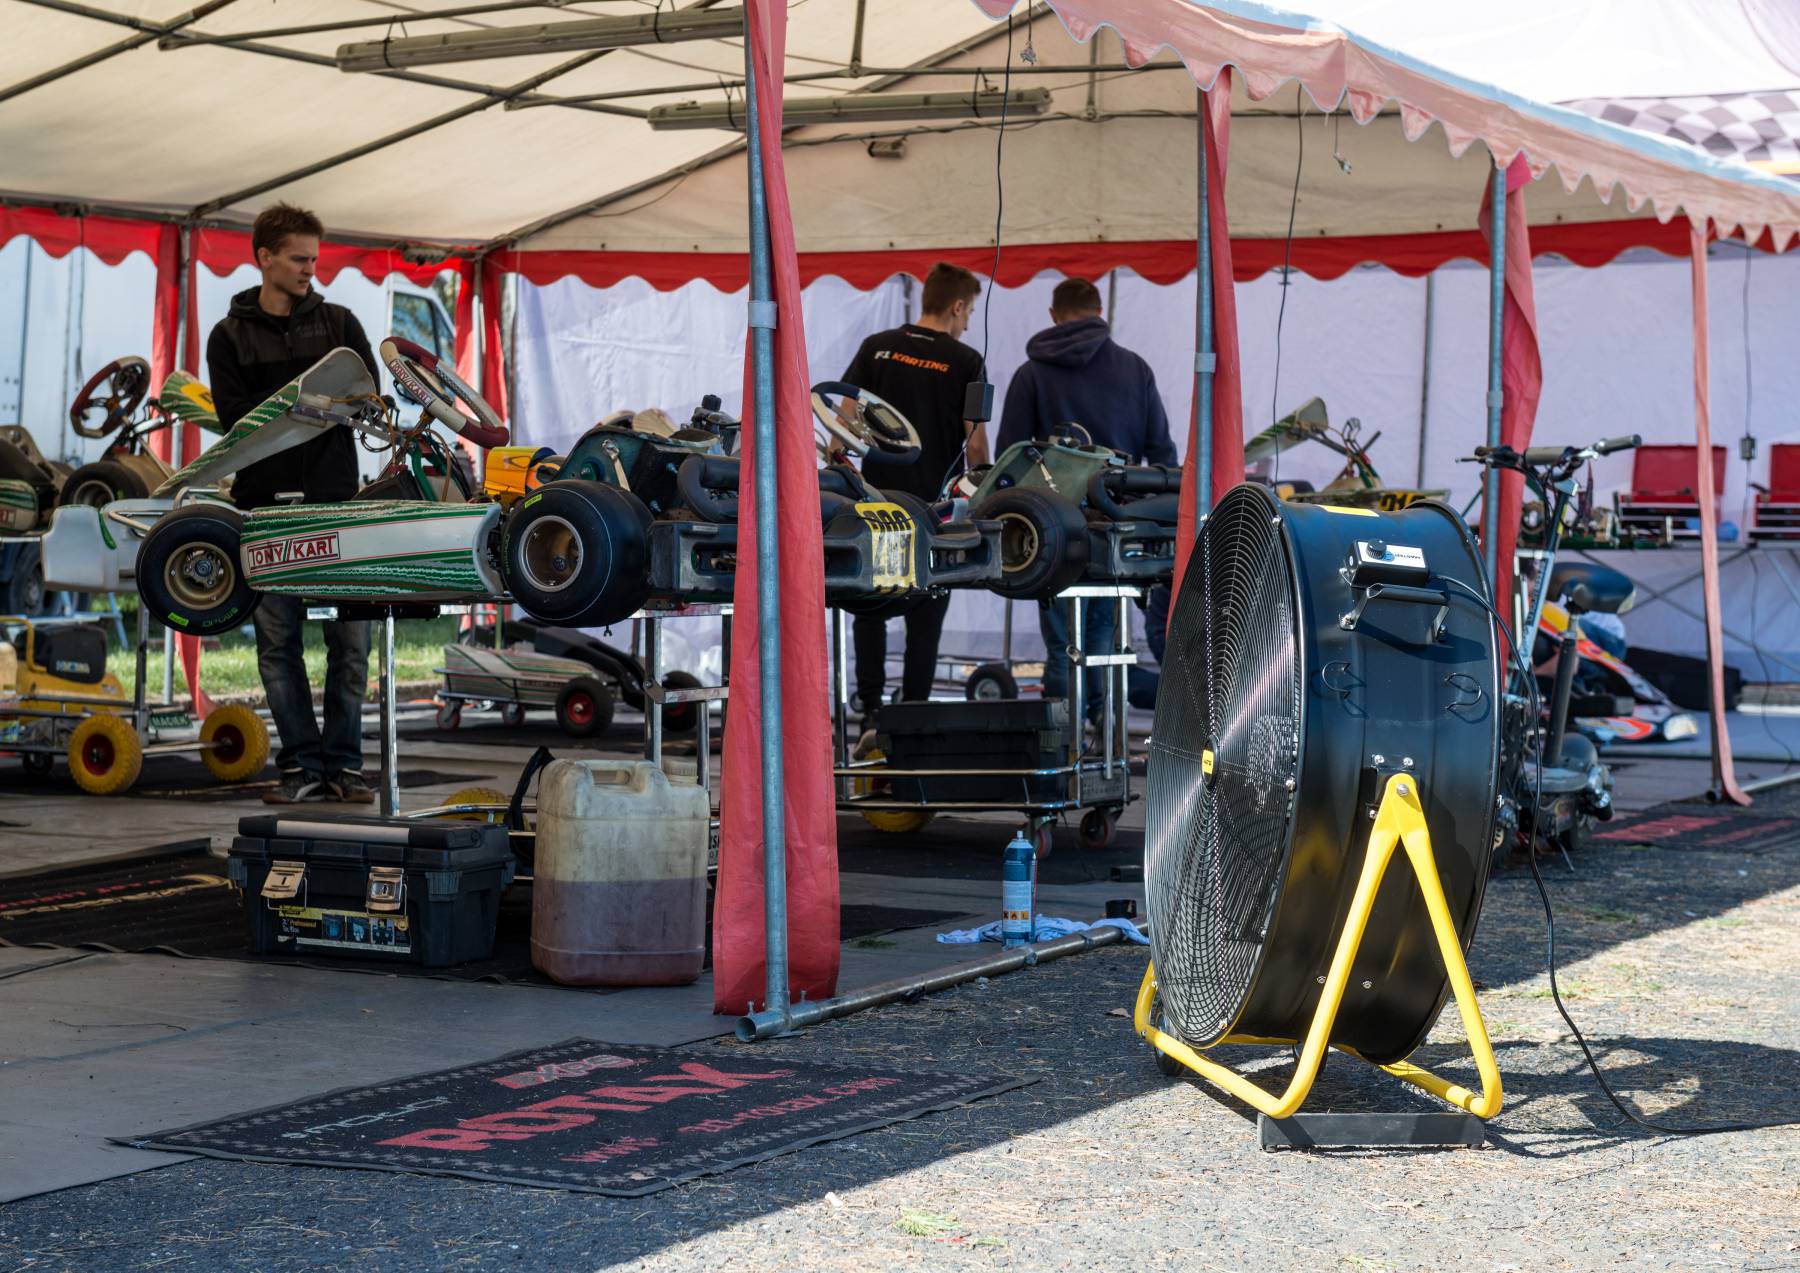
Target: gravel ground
x: 1679, y: 966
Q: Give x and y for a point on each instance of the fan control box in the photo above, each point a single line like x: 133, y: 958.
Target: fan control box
x: 1377, y: 561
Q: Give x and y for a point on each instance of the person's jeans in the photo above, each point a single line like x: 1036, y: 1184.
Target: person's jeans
x: 280, y: 622
x: 924, y: 629
x: 1099, y: 624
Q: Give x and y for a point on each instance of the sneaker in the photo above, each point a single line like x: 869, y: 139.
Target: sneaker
x: 348, y: 787
x: 296, y: 787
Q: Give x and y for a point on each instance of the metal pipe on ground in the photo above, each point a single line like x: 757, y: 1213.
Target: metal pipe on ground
x: 771, y: 1022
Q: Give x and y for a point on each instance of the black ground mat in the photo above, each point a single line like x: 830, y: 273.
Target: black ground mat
x: 182, y: 903
x: 1697, y: 825
x: 586, y: 1116
x: 971, y: 848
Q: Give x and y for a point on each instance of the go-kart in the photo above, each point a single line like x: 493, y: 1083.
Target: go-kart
x: 32, y: 486
x: 411, y: 536
x: 1605, y: 685
x: 668, y: 506
x: 1357, y: 485
x: 1070, y: 511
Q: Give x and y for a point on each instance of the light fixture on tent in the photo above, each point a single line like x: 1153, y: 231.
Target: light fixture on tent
x: 660, y: 27
x: 861, y: 108
x: 1329, y: 701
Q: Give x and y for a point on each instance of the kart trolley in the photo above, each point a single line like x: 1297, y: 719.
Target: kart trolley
x: 900, y: 799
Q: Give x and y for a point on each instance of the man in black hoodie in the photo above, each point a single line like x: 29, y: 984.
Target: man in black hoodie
x: 272, y: 334
x: 1077, y: 374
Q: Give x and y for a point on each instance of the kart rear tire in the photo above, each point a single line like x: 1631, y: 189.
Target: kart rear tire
x: 100, y: 483
x: 105, y: 756
x: 577, y: 553
x: 240, y: 743
x: 585, y: 707
x: 199, y: 537
x: 23, y: 593
x: 1043, y: 542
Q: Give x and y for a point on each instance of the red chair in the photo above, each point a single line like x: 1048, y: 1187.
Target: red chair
x: 1665, y: 485
x: 1778, y: 504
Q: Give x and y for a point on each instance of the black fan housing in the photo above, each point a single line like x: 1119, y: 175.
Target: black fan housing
x: 1314, y: 651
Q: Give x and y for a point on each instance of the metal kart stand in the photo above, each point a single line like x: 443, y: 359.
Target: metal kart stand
x: 1101, y: 784
x: 656, y: 697
x: 148, y: 720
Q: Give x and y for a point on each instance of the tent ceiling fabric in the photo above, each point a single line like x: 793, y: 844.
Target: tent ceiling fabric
x: 223, y: 130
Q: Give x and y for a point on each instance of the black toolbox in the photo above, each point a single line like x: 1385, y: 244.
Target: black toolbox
x: 1005, y: 734
x: 403, y: 889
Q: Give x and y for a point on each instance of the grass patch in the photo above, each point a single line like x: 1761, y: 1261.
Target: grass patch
x: 924, y: 1224
x: 1610, y: 915
x: 231, y: 669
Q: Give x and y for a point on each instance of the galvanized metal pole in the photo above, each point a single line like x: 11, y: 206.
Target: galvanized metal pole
x: 1205, y: 360
x: 1490, y: 490
x: 768, y: 556
x: 1425, y: 373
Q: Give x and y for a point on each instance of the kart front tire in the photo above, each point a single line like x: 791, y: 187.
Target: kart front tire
x: 577, y: 553
x: 105, y: 756
x: 1043, y: 542
x: 189, y: 573
x: 99, y: 484
x: 240, y: 743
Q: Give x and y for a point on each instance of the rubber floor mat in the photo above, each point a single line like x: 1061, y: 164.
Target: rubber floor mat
x: 1688, y: 825
x: 587, y: 1116
x: 182, y: 903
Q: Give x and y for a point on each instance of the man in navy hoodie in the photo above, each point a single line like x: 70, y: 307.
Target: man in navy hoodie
x: 1077, y: 374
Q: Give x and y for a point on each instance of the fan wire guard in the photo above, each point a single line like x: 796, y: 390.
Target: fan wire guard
x: 1219, y: 846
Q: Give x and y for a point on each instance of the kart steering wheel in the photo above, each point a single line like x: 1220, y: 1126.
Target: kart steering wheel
x: 860, y: 422
x: 422, y: 378
x: 127, y: 380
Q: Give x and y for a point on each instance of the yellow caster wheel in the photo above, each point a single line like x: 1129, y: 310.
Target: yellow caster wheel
x: 477, y: 795
x: 239, y: 743
x: 105, y: 756
x: 892, y: 821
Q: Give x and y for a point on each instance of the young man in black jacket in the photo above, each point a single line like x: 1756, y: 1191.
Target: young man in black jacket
x: 924, y: 370
x: 1078, y: 374
x: 272, y: 334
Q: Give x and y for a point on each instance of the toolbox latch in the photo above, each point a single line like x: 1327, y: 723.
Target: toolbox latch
x: 387, y: 889
x: 285, y: 882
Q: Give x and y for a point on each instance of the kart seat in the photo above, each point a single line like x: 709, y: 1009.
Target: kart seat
x: 709, y: 488
x: 1589, y: 588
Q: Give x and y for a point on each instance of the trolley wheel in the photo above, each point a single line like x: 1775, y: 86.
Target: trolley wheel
x: 449, y: 715
x: 681, y: 718
x: 1167, y: 1064
x: 899, y: 821
x: 989, y: 683
x: 105, y: 756
x: 1097, y: 828
x: 585, y: 707
x: 476, y: 795
x: 240, y: 743
x: 512, y: 715
x: 1043, y: 836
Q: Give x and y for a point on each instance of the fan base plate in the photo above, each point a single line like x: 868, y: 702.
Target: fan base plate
x: 1446, y: 1129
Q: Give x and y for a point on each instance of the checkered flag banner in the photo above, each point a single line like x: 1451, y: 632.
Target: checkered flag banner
x: 1758, y: 128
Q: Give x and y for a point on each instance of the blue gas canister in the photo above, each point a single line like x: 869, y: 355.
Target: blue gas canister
x: 1018, y: 879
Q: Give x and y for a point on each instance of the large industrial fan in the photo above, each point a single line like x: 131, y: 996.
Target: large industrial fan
x: 1328, y: 709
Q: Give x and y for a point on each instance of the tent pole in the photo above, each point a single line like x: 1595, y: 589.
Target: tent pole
x: 1425, y: 372
x: 1490, y: 486
x: 768, y: 556
x: 1205, y: 361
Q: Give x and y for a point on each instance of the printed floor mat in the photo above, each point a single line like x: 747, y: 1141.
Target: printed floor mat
x: 182, y: 903
x: 587, y: 1116
x: 1712, y: 827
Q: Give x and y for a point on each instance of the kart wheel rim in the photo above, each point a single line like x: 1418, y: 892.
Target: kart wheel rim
x: 550, y: 557
x: 1019, y: 543
x: 200, y: 576
x: 581, y: 709
x: 93, y: 493
x: 97, y: 755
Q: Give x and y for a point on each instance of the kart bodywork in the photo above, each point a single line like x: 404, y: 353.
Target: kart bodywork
x: 1653, y: 718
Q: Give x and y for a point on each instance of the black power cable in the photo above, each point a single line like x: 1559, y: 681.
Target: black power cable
x: 1287, y: 272
x: 1520, y: 660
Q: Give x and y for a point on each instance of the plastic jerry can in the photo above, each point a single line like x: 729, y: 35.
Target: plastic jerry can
x: 619, y: 886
